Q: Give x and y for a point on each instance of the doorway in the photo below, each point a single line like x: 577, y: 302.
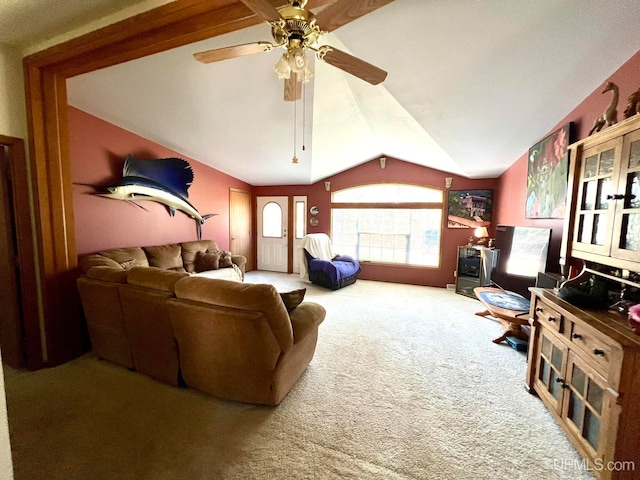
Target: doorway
x: 273, y: 240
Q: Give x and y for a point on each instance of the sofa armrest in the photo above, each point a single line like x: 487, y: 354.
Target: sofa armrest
x: 305, y: 319
x: 240, y: 261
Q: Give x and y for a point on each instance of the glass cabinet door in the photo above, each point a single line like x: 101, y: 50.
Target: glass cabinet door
x: 595, y: 202
x: 550, y: 382
x: 584, y: 404
x: 626, y: 231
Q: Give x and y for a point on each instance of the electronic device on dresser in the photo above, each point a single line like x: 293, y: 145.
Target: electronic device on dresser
x: 475, y: 266
x: 523, y: 254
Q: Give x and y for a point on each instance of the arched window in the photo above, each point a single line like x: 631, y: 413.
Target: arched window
x: 272, y: 220
x: 388, y: 223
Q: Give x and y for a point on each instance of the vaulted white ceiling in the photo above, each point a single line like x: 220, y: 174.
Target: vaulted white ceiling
x: 471, y: 86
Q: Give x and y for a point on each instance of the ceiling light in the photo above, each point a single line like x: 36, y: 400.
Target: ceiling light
x: 294, y: 60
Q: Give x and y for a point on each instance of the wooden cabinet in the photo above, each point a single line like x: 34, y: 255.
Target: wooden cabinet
x: 585, y: 367
x: 474, y: 268
x: 604, y: 224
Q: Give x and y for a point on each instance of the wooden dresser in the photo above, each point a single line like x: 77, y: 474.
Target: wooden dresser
x: 585, y: 366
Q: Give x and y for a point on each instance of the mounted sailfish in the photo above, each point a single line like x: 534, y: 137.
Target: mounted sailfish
x: 164, y: 180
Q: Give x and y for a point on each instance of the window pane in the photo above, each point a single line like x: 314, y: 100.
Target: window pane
x: 606, y: 162
x: 390, y: 235
x: 591, y: 428
x: 300, y: 220
x: 387, y: 193
x: 272, y: 220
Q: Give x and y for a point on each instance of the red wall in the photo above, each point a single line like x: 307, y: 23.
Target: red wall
x: 512, y: 185
x: 396, y: 171
x: 98, y: 150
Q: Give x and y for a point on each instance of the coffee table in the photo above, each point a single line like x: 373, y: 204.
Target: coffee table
x: 511, y: 314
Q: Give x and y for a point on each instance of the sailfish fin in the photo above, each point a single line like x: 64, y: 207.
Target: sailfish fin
x: 201, y: 222
x: 138, y: 205
x: 174, y: 173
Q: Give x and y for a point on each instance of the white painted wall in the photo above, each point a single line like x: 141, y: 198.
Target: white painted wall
x: 13, y: 123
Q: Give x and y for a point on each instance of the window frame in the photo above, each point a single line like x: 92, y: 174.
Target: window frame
x: 396, y: 205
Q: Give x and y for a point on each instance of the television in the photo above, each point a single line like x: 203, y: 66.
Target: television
x: 522, y: 253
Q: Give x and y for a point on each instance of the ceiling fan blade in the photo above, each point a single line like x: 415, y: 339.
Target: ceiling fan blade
x: 225, y: 53
x: 292, y: 88
x: 345, y: 11
x: 354, y: 66
x: 264, y: 9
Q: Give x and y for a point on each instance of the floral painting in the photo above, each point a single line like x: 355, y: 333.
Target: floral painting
x: 547, y: 176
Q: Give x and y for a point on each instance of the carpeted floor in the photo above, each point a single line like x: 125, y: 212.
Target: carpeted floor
x: 405, y: 384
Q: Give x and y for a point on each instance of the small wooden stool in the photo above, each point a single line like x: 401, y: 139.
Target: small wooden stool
x: 512, y: 320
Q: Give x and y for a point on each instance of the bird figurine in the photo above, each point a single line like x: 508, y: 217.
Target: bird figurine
x: 610, y: 115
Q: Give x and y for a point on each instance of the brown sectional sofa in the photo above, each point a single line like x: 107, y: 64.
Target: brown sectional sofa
x: 233, y: 340
x: 178, y: 257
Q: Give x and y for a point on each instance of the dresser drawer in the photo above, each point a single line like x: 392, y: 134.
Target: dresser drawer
x: 596, y: 347
x: 547, y: 316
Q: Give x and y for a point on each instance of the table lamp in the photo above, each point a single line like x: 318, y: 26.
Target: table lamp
x: 481, y: 234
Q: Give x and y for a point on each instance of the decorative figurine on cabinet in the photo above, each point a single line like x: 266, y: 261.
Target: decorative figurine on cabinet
x: 633, y: 104
x: 610, y: 115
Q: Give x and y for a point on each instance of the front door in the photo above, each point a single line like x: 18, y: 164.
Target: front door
x: 273, y: 240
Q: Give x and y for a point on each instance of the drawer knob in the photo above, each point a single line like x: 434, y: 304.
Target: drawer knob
x: 552, y: 319
x: 597, y: 351
x: 576, y: 335
x: 538, y: 309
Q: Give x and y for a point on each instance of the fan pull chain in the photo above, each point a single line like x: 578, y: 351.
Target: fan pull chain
x: 295, y: 111
x: 304, y: 112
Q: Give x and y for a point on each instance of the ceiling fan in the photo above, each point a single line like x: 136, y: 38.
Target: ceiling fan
x: 296, y: 29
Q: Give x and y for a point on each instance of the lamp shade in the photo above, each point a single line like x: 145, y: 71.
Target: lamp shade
x: 481, y: 232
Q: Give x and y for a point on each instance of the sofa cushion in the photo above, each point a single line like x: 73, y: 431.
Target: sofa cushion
x: 207, y: 261
x: 121, y: 255
x: 108, y: 274
x: 189, y: 250
x: 256, y: 297
x: 293, y: 299
x: 225, y: 258
x: 168, y: 257
x: 154, y: 278
x: 87, y: 261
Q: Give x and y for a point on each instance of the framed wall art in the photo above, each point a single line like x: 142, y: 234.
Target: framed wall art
x: 469, y: 208
x: 547, y: 175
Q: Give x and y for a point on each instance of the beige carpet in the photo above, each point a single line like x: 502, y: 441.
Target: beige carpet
x: 405, y: 384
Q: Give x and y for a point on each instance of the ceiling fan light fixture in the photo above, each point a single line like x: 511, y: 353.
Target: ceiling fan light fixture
x: 306, y: 74
x: 298, y: 61
x: 282, y: 68
x: 295, y: 61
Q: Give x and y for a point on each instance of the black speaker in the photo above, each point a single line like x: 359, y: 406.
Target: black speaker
x: 548, y: 280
